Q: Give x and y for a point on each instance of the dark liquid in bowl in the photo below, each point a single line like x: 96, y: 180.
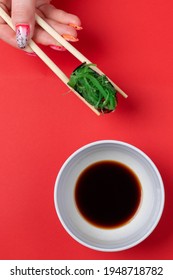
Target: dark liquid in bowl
x: 108, y: 194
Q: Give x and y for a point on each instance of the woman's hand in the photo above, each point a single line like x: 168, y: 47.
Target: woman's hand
x: 23, y: 17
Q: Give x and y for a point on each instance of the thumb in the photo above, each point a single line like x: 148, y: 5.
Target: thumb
x: 23, y: 17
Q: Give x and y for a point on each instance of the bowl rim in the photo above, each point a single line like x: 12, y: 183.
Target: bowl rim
x: 132, y: 147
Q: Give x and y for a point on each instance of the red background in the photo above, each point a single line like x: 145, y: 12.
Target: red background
x: 41, y: 124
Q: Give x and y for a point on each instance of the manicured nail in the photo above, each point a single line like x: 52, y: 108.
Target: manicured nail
x: 77, y: 27
x: 70, y: 38
x: 22, y: 35
x: 57, y: 48
x: 31, y: 53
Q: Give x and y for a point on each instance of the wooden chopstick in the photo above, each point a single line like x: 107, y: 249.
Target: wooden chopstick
x: 48, y: 62
x: 73, y: 50
x: 60, y: 39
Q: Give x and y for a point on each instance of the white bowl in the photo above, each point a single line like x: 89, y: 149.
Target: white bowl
x: 143, y: 222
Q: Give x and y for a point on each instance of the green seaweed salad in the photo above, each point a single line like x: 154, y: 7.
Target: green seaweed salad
x: 94, y: 88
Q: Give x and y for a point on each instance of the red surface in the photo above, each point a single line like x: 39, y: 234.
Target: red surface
x: 41, y: 124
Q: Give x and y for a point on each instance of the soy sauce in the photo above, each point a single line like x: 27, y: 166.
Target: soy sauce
x: 108, y: 194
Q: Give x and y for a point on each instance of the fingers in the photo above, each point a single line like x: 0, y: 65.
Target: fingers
x: 62, y: 28
x: 23, y: 17
x: 7, y: 35
x: 42, y: 37
x: 64, y: 23
x: 60, y: 16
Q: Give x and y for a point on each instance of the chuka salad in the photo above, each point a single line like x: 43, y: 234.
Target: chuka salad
x: 94, y: 88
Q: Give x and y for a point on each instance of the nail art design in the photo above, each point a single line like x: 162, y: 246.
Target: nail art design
x: 77, y: 27
x: 57, y: 48
x: 22, y: 35
x: 70, y: 38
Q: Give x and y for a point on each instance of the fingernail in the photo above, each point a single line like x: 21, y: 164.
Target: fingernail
x: 57, y: 48
x: 31, y: 53
x: 77, y: 27
x: 22, y: 35
x: 70, y: 38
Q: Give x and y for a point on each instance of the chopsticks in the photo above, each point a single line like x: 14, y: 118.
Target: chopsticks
x: 50, y: 63
x: 72, y: 49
